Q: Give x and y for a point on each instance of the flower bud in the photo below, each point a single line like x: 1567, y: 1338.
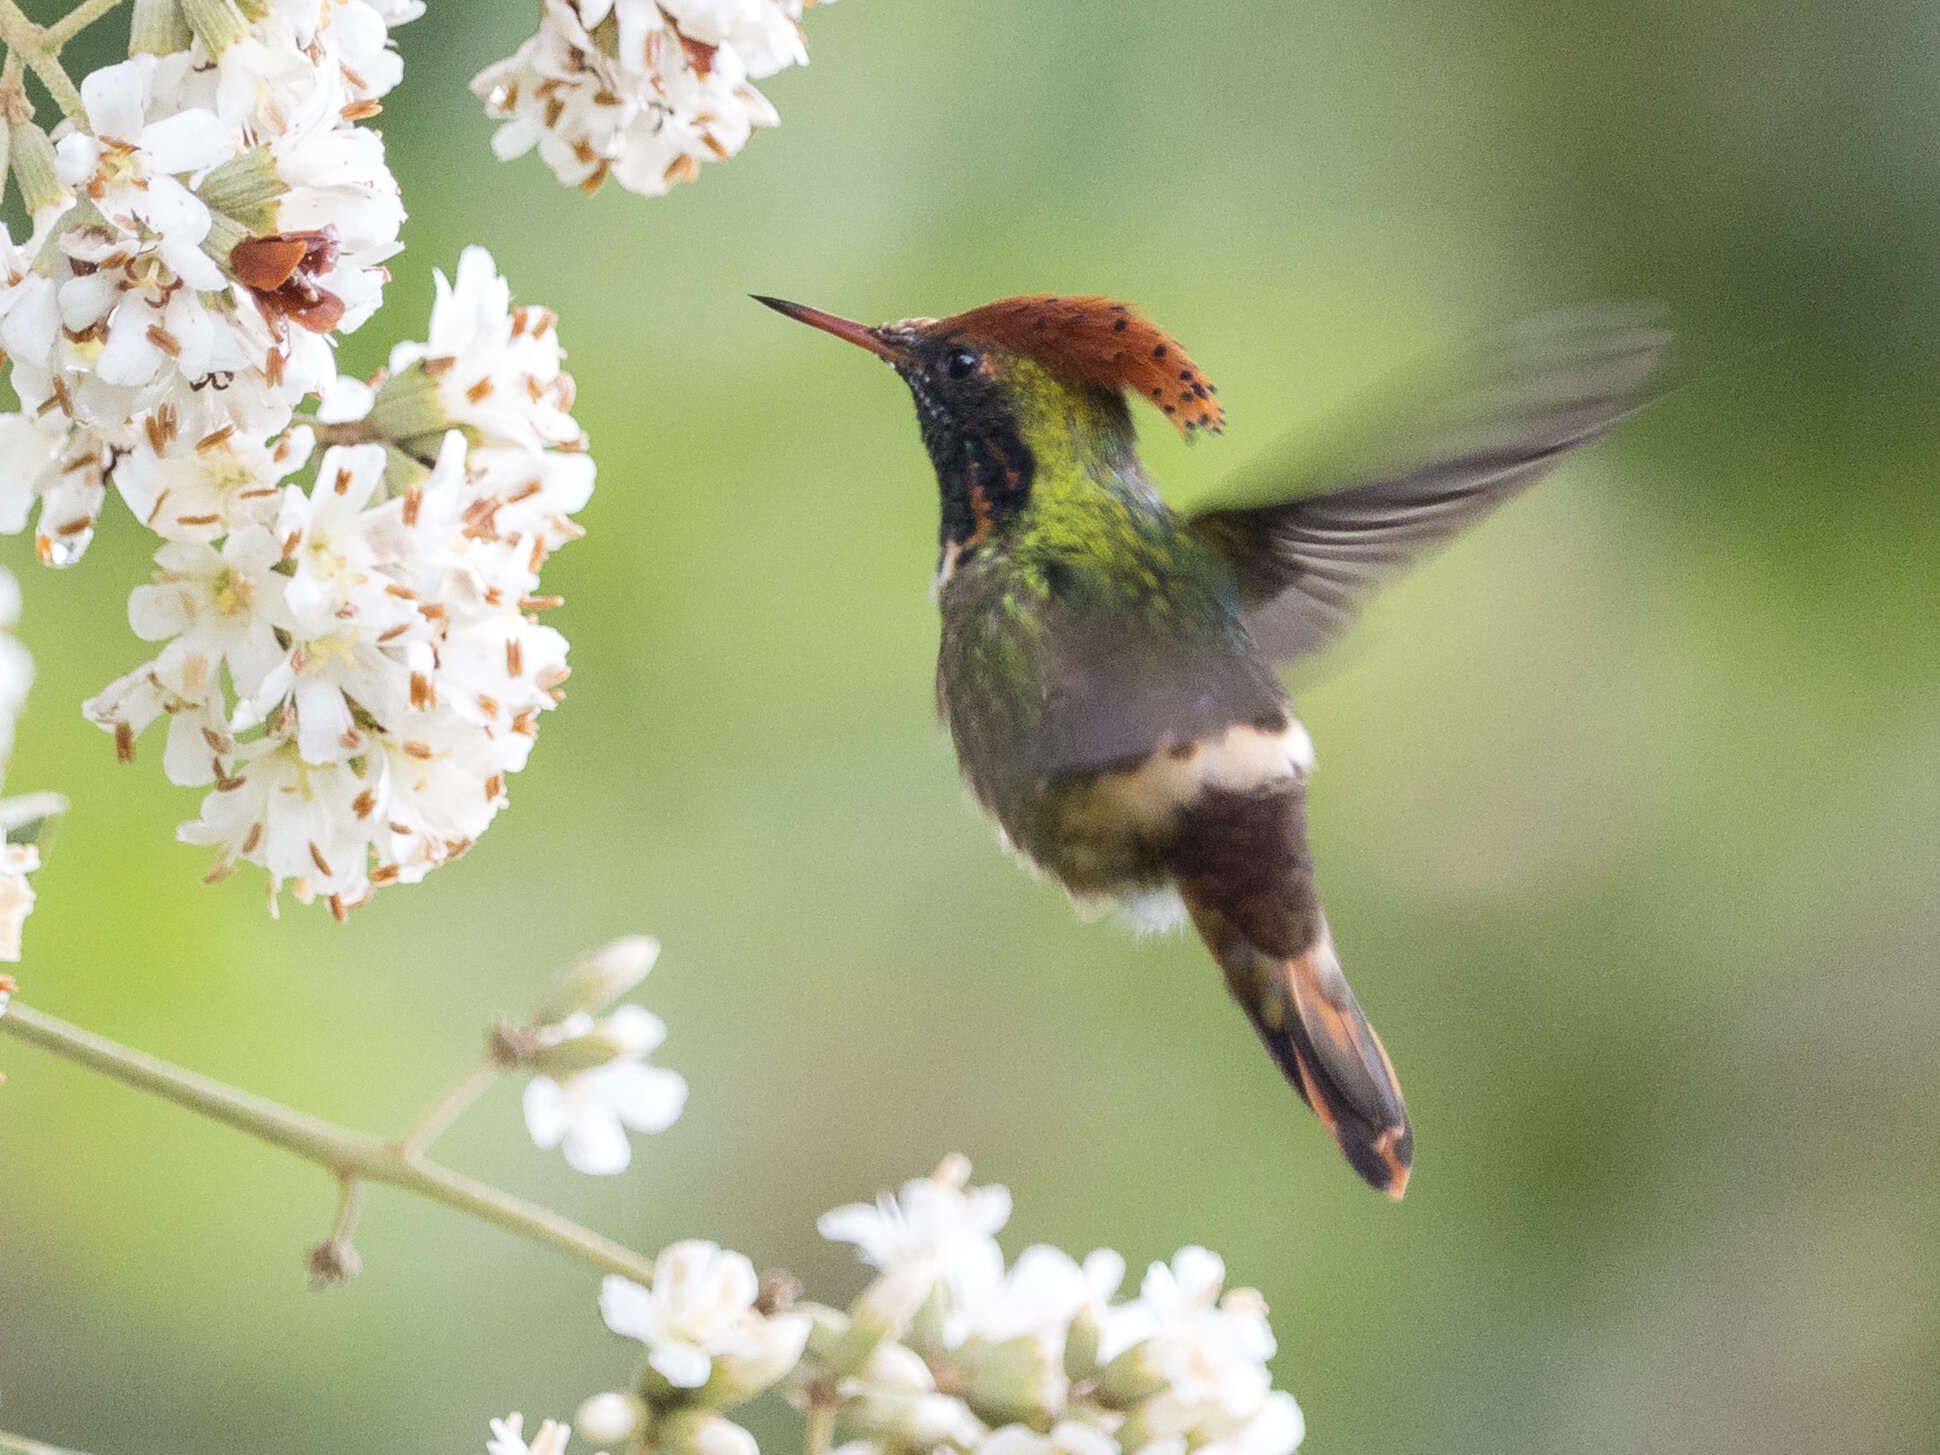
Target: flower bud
x: 1016, y: 1380
x: 1081, y: 1345
x: 739, y: 1377
x: 925, y: 1334
x: 702, y: 1432
x: 882, y: 1311
x: 596, y: 979
x: 922, y: 1421
x: 894, y: 1367
x: 827, y: 1327
x: 244, y: 189
x: 407, y: 406
x: 1130, y: 1378
x: 610, y: 1419
x: 31, y: 155
x: 157, y: 28
x: 218, y: 24
x: 631, y: 1031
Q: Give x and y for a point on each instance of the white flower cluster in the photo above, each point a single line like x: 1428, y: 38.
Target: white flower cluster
x: 643, y: 91
x: 591, y: 1083
x: 947, y: 1351
x: 197, y: 242
x: 356, y: 665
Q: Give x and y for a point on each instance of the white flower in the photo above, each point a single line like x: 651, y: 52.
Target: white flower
x: 61, y: 467
x: 217, y: 610
x: 590, y: 1109
x: 17, y: 861
x: 935, y: 1231
x: 356, y: 35
x: 672, y: 92
x: 701, y: 1309
x: 1277, y: 1429
x: 497, y: 369
x: 508, y: 1438
x: 199, y: 489
x: 1043, y: 1291
x: 1209, y: 1350
x: 129, y: 165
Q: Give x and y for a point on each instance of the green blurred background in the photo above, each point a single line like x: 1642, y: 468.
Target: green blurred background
x: 1626, y: 812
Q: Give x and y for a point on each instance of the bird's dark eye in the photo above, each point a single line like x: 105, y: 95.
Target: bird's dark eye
x: 961, y: 363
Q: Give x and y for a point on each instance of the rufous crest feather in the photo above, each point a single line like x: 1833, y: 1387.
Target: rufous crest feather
x: 1102, y: 342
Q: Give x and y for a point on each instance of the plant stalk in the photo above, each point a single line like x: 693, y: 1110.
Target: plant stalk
x: 21, y: 1445
x: 345, y: 1154
x: 34, y: 45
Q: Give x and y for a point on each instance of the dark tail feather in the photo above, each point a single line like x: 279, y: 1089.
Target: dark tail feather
x: 1314, y: 1028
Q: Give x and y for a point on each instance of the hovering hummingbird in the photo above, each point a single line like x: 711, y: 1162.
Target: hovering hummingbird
x: 1107, y: 666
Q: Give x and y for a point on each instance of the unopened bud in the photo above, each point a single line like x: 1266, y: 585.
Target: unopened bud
x: 898, y: 1368
x: 827, y: 1327
x: 740, y: 1377
x: 921, y: 1421
x: 610, y: 1419
x: 702, y: 1432
x: 30, y: 818
x: 1130, y: 1378
x: 925, y: 1332
x: 630, y: 1031
x: 1081, y: 1345
x: 218, y: 24
x: 244, y: 189
x: 1018, y: 1380
x: 407, y: 407
x: 31, y: 155
x: 880, y: 1312
x: 596, y: 979
x: 157, y: 28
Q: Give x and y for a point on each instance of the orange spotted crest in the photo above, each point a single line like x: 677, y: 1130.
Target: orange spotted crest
x: 1099, y: 341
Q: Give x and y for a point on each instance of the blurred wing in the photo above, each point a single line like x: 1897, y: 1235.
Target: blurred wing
x: 1446, y: 447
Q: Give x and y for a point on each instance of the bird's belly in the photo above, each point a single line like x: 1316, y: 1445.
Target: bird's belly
x: 1104, y: 834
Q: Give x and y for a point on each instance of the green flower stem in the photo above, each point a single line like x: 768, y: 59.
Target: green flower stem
x: 40, y: 51
x: 345, y: 1154
x: 21, y: 1445
x: 77, y: 20
x: 821, y: 1428
x: 451, y: 1108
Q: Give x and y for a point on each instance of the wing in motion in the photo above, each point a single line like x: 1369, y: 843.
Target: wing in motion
x: 1451, y: 445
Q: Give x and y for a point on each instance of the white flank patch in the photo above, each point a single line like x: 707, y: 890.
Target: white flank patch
x: 1145, y: 798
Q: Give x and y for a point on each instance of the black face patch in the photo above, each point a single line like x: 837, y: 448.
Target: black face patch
x: 983, y: 467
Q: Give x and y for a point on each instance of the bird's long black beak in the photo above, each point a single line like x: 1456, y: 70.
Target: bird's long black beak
x: 859, y: 334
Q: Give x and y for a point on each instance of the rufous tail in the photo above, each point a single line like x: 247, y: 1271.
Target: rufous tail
x: 1308, y: 1018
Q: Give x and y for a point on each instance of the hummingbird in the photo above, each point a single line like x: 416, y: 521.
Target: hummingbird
x: 1108, y: 667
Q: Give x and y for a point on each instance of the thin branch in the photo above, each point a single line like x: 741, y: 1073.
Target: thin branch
x: 77, y: 20
x: 420, y: 1137
x: 821, y: 1428
x: 346, y: 1154
x: 30, y: 40
x: 21, y: 1445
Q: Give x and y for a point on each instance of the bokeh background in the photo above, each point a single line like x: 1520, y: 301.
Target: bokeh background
x: 1627, y: 809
